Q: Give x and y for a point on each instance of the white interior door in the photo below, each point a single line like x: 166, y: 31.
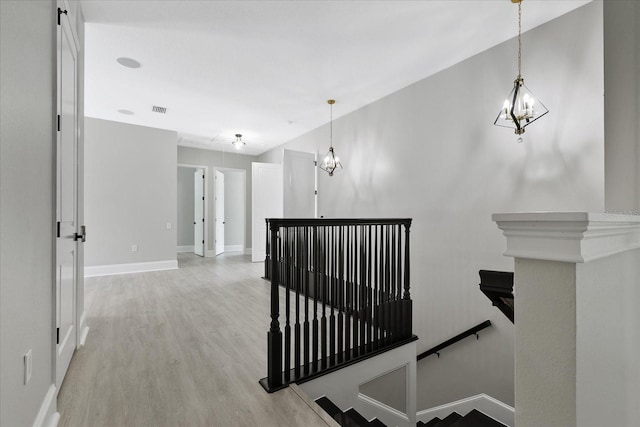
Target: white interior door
x: 198, y: 212
x: 267, y: 202
x: 66, y: 202
x: 219, y: 200
x: 299, y: 184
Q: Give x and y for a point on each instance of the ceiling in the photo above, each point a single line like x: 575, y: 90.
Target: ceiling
x: 265, y: 69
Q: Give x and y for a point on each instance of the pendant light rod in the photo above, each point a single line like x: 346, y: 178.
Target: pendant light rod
x: 331, y: 102
x: 519, y: 38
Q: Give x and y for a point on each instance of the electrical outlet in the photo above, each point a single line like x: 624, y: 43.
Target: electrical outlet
x: 134, y: 248
x: 168, y: 226
x: 27, y: 367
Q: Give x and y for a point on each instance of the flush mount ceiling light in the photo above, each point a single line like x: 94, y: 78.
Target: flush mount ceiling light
x: 331, y: 162
x: 521, y: 108
x: 238, y: 143
x: 126, y: 112
x: 128, y: 62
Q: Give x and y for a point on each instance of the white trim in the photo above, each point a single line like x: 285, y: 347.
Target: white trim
x: 575, y: 237
x: 135, y: 267
x: 83, y: 329
x: 382, y: 407
x: 181, y: 249
x: 206, y: 201
x: 234, y: 248
x: 210, y: 254
x: 47, y: 414
x: 484, y: 403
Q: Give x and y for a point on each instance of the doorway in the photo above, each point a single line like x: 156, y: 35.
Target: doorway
x: 230, y: 210
x: 192, y: 209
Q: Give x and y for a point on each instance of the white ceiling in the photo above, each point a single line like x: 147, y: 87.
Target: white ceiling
x: 266, y: 68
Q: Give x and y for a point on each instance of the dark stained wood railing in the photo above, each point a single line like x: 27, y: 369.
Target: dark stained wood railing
x: 346, y: 294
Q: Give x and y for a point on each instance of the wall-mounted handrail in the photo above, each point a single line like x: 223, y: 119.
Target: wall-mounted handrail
x: 461, y: 336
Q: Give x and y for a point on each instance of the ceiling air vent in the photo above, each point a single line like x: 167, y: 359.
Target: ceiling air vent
x: 161, y: 110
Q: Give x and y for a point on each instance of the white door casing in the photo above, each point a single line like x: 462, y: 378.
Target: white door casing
x: 219, y: 209
x: 299, y: 173
x: 198, y: 212
x: 66, y: 201
x: 267, y: 202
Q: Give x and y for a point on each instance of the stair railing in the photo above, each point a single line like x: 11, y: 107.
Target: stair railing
x: 471, y: 331
x: 346, y: 294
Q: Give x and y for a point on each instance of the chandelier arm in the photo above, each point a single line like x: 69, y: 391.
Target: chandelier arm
x: 516, y: 92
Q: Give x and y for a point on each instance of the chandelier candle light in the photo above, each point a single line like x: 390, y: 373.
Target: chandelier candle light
x: 521, y: 108
x: 331, y: 162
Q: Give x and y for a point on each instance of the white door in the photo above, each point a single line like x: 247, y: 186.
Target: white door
x: 299, y: 172
x: 266, y: 182
x: 198, y: 212
x: 66, y: 202
x: 219, y: 207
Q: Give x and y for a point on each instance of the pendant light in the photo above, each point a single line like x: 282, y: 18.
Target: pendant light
x: 238, y: 143
x: 331, y: 162
x: 521, y: 108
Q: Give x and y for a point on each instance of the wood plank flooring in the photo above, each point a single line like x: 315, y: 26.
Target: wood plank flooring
x: 178, y: 348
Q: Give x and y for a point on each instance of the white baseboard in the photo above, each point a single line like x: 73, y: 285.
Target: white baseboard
x: 486, y: 404
x: 186, y: 248
x: 47, y: 414
x: 136, y: 267
x: 383, y: 407
x: 210, y: 254
x: 83, y: 328
x: 233, y: 248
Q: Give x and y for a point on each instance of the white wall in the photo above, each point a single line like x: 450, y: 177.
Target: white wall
x: 185, y: 206
x: 622, y: 105
x: 431, y: 152
x: 27, y: 202
x: 130, y: 185
x: 213, y: 159
x: 234, y: 214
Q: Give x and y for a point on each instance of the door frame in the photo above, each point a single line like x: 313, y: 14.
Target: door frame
x: 244, y: 204
x: 206, y: 203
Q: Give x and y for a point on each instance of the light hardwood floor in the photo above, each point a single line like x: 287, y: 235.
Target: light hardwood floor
x: 178, y: 348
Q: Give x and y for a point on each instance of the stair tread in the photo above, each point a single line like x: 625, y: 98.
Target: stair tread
x: 356, y: 417
x: 377, y: 423
x: 431, y: 423
x: 449, y: 420
x: 476, y: 418
x: 329, y: 407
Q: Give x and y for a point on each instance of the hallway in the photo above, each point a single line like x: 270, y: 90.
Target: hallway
x: 182, y: 347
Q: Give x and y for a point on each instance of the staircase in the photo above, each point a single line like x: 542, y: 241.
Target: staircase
x: 351, y: 418
x: 474, y: 418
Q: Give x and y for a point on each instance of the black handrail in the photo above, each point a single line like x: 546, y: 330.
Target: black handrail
x: 346, y: 293
x: 447, y: 343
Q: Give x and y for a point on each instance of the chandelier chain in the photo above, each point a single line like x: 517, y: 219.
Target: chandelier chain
x: 331, y: 125
x: 519, y: 39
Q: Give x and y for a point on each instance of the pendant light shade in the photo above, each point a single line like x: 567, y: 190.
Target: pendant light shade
x: 521, y: 108
x: 331, y: 162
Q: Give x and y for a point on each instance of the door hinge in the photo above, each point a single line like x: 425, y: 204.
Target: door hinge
x: 202, y: 219
x: 58, y: 122
x: 202, y: 197
x: 60, y: 12
x: 203, y: 242
x: 315, y: 163
x: 58, y: 229
x: 315, y: 192
x: 57, y: 335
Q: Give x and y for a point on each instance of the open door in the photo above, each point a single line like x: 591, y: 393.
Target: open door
x: 267, y: 202
x: 66, y: 202
x: 220, y: 222
x: 198, y: 212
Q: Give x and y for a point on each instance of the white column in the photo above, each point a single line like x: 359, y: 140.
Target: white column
x: 577, y: 317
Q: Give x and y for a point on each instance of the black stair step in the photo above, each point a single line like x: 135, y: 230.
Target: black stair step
x: 355, y: 417
x: 476, y: 418
x: 450, y: 420
x: 431, y: 423
x: 377, y: 423
x: 328, y: 406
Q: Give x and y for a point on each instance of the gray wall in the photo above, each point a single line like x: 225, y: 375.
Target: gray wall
x: 234, y: 214
x: 430, y: 152
x: 27, y: 199
x: 185, y: 206
x: 622, y: 105
x: 130, y: 183
x: 212, y: 159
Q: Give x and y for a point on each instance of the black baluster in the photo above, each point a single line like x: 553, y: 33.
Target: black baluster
x: 307, y: 272
x: 316, y: 280
x: 354, y: 289
x: 363, y: 293
x: 298, y: 282
x: 347, y: 317
x: 323, y: 321
x: 274, y: 337
x: 287, y: 328
x: 407, y: 311
x: 341, y: 286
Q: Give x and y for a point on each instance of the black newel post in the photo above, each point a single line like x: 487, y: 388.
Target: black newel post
x: 407, y: 304
x: 274, y: 336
